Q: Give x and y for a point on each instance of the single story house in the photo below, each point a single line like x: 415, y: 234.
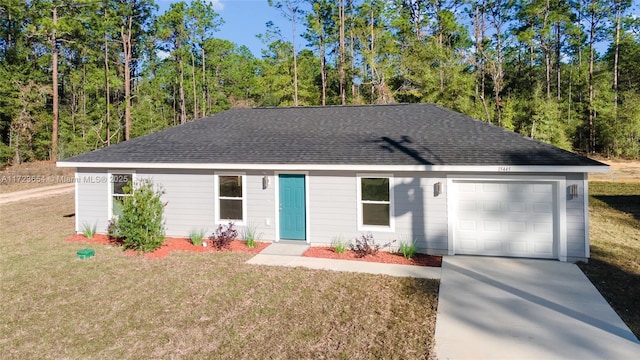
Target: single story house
x: 405, y: 172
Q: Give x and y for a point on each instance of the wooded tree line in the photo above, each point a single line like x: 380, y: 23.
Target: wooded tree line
x: 84, y: 74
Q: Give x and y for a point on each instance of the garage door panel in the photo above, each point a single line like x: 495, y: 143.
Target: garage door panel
x: 488, y: 187
x: 517, y: 227
x: 492, y: 207
x: 542, y: 208
x: 505, y: 219
x: 468, y: 225
x: 491, y: 226
x: 520, y: 207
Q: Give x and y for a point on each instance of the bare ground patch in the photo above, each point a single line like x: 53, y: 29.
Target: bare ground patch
x: 619, y: 171
x: 33, y: 175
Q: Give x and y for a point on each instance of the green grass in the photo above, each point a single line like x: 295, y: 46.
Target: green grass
x: 614, y: 267
x: 191, y: 305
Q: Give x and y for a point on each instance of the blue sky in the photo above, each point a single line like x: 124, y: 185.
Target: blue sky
x: 243, y: 20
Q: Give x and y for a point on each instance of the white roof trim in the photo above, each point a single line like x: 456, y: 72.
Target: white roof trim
x: 341, y: 167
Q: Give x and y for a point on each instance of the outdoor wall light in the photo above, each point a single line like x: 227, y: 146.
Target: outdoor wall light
x: 437, y: 188
x: 573, y: 191
x: 265, y: 182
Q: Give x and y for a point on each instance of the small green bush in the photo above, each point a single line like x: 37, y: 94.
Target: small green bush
x: 141, y: 226
x: 339, y: 245
x: 196, y: 236
x: 89, y: 230
x: 408, y: 249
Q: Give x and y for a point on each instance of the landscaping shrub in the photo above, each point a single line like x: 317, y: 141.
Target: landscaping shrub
x: 365, y: 245
x: 223, y: 236
x: 141, y: 227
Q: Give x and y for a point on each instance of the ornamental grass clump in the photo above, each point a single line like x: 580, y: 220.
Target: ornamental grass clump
x: 141, y: 225
x: 339, y: 245
x: 89, y: 230
x: 196, y: 236
x: 408, y: 249
x: 250, y: 235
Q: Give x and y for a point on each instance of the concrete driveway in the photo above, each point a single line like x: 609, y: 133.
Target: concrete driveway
x: 492, y: 308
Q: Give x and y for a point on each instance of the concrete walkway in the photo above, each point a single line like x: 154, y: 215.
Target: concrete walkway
x: 496, y: 308
x: 287, y: 254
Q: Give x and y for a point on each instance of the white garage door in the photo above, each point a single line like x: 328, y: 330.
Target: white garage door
x: 505, y: 219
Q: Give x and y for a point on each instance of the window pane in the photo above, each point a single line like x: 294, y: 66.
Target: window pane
x: 231, y: 209
x: 121, y: 183
x: 375, y: 214
x: 375, y: 189
x: 231, y: 186
x: 118, y: 203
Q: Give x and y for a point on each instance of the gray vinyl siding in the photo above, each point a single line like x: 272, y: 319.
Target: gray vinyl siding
x: 575, y: 218
x: 261, y: 205
x: 92, y: 199
x: 332, y: 206
x: 419, y: 215
x: 189, y: 198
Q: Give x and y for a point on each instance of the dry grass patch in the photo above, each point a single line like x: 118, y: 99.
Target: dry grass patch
x: 189, y: 305
x: 614, y: 267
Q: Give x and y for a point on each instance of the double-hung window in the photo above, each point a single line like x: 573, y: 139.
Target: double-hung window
x: 231, y: 197
x: 375, y: 202
x: 121, y: 184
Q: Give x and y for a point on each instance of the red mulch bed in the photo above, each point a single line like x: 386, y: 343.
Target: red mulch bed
x: 381, y: 257
x: 170, y: 244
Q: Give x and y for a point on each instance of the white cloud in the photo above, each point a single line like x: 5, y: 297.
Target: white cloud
x: 217, y: 5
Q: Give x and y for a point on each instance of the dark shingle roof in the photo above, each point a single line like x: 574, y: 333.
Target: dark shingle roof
x: 403, y: 134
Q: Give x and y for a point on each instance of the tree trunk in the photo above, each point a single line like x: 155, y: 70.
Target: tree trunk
x: 547, y: 51
x: 373, y: 57
x: 193, y: 81
x: 127, y: 49
x: 352, y: 52
x: 592, y: 130
x: 323, y: 70
x: 205, y: 89
x: 615, y: 61
x: 558, y: 55
x: 107, y: 85
x: 295, y: 56
x: 183, y: 109
x: 54, y: 76
x: 343, y: 99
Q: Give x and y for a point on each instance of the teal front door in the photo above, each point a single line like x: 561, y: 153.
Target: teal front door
x: 292, y: 207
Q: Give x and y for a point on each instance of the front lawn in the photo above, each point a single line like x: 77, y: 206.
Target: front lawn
x: 189, y: 305
x: 614, y: 267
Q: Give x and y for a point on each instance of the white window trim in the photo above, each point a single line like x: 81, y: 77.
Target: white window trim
x: 378, y: 228
x: 216, y: 197
x: 110, y: 188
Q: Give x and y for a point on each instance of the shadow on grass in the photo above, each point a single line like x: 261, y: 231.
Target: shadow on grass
x: 620, y: 288
x: 629, y: 204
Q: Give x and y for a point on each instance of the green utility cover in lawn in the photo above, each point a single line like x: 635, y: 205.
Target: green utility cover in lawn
x: 85, y: 253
